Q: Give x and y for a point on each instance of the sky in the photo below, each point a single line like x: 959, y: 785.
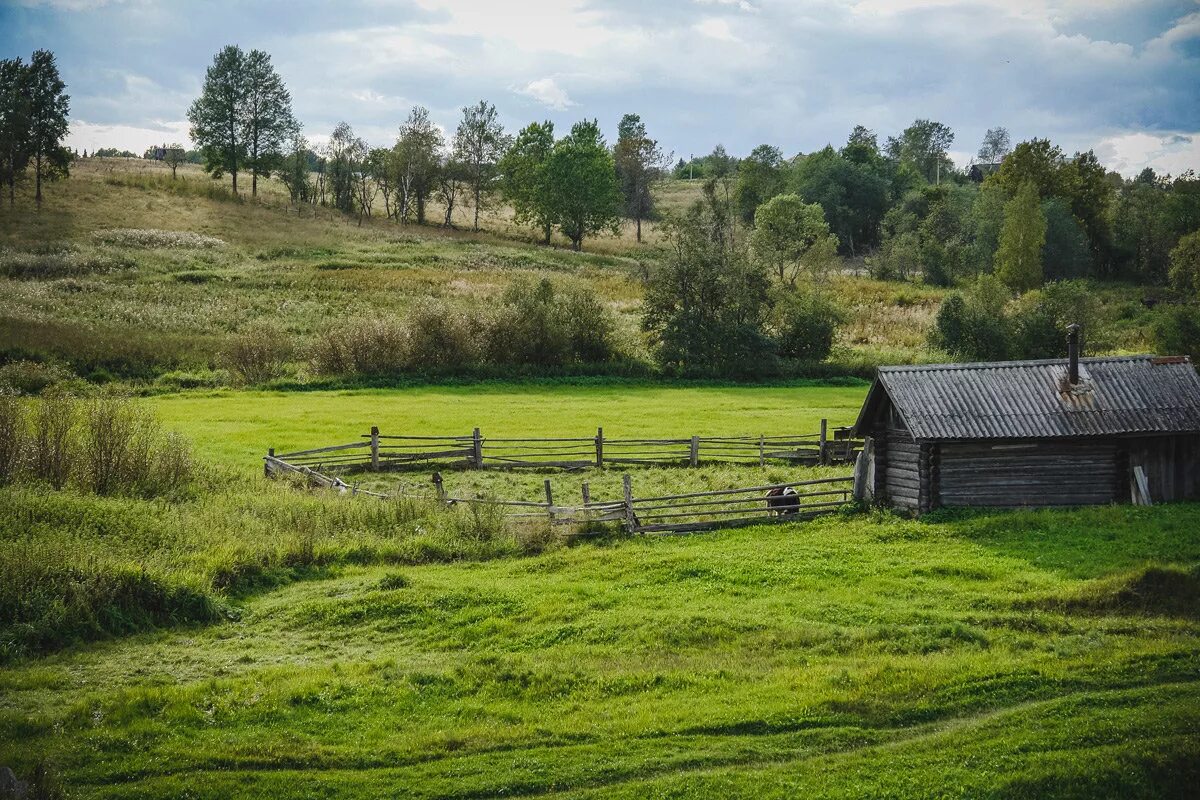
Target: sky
x: 1120, y: 77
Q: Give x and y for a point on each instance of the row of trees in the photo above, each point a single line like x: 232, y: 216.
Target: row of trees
x: 33, y: 121
x: 576, y: 184
x: 906, y: 207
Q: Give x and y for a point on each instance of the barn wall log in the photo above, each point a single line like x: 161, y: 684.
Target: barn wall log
x: 903, y: 474
x: 1048, y: 473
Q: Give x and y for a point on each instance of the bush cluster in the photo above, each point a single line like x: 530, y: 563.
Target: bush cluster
x: 536, y: 323
x: 258, y: 354
x: 107, y: 445
x: 985, y: 323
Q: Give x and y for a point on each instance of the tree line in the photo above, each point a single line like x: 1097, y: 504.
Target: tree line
x: 33, y: 122
x: 243, y: 123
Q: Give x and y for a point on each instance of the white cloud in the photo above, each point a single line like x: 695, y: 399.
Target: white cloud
x: 716, y: 28
x: 90, y: 136
x: 742, y: 5
x: 1165, y: 152
x: 548, y: 93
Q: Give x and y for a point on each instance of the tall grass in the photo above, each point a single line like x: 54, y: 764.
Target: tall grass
x: 76, y: 566
x: 105, y: 444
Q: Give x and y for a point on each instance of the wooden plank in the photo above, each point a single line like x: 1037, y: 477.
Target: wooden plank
x: 332, y: 449
x: 816, y: 482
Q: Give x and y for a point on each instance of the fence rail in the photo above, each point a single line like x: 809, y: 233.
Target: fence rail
x: 394, y: 452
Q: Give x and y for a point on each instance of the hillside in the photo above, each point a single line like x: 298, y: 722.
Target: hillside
x: 141, y: 306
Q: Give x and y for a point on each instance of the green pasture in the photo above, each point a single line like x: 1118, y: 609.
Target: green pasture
x: 235, y: 428
x: 983, y: 655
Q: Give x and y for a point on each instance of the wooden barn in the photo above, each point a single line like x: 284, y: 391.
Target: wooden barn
x: 1060, y: 432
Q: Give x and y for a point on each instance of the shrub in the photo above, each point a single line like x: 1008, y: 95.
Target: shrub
x: 973, y: 327
x: 108, y: 445
x: 369, y: 347
x: 1177, y: 331
x: 1040, y: 319
x: 547, y: 324
x: 258, y: 354
x: 32, y: 377
x: 1185, y: 264
x: 53, y: 446
x: 804, y: 326
x: 441, y: 337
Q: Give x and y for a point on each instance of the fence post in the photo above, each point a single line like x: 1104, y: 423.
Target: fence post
x: 477, y: 449
x: 587, y: 495
x: 599, y: 448
x: 441, y: 489
x: 374, y: 448
x: 267, y: 464
x: 762, y: 455
x: 694, y: 454
x: 824, y: 454
x: 549, y: 500
x: 630, y: 519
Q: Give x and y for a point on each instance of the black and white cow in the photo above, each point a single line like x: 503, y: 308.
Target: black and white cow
x: 783, y: 502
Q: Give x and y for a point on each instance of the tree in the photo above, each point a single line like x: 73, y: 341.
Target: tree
x: 791, y: 237
x: 294, y: 171
x: 216, y: 115
x: 48, y: 106
x: 1185, y: 265
x: 14, y: 123
x: 707, y: 304
x: 523, y: 176
x: 453, y: 177
x: 640, y: 163
x: 581, y: 181
x: 759, y: 178
x: 853, y: 193
x: 1085, y: 181
x: 1065, y: 254
x: 267, y: 121
x: 1037, y: 161
x: 1019, y: 258
x: 419, y: 152
x: 479, y: 144
x: 174, y: 154
x: 995, y: 146
x: 340, y: 153
x: 923, y: 145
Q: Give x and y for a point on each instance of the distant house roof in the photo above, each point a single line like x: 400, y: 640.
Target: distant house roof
x: 1032, y: 399
x: 981, y: 170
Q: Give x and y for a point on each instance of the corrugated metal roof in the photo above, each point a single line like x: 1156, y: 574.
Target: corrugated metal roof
x: 1032, y: 399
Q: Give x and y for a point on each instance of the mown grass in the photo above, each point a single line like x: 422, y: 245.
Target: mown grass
x: 850, y: 656
x: 235, y: 428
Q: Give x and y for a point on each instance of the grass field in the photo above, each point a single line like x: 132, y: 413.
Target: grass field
x: 1005, y: 655
x: 242, y: 637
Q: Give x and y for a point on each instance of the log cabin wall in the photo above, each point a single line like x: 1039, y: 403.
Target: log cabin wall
x: 902, y: 474
x: 1172, y: 465
x: 1032, y: 473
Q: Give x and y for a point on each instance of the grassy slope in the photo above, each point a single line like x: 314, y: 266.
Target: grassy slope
x: 845, y: 657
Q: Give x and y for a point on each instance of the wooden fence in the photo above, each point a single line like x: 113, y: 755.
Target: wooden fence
x: 680, y: 513
x: 384, y: 452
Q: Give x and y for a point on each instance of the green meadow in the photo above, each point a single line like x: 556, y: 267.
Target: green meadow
x: 235, y: 428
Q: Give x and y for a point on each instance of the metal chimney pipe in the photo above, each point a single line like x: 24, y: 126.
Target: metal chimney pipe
x: 1073, y: 353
